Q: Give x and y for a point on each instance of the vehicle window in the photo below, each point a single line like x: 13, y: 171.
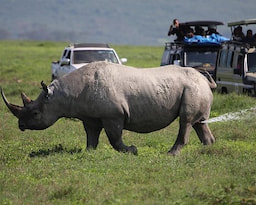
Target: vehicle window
x: 196, y: 58
x: 239, y: 65
x: 223, y: 58
x: 64, y: 53
x: 251, y: 58
x: 230, y: 59
x: 68, y: 55
x: 88, y: 56
x: 166, y: 58
x: 175, y: 57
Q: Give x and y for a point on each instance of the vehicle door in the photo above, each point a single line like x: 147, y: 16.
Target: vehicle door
x: 250, y: 67
x: 172, y: 57
x: 65, y: 63
x: 230, y: 71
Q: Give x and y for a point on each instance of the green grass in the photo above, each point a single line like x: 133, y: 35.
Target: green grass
x: 52, y: 166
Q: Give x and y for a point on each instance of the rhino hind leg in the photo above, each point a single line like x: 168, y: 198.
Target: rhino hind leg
x: 182, y: 138
x: 204, y: 133
x: 113, y: 129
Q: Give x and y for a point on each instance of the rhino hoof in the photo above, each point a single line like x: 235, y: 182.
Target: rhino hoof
x: 132, y: 149
x: 173, y: 152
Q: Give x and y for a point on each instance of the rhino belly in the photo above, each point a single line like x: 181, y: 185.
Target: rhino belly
x: 145, y: 123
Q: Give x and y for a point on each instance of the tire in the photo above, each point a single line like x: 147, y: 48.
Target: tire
x: 224, y: 90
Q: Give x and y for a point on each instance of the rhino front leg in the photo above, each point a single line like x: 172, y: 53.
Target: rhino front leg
x: 114, y: 129
x: 182, y: 138
x: 92, y: 129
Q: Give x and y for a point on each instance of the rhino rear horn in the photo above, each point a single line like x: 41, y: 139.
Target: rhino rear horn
x: 26, y: 100
x: 15, y: 109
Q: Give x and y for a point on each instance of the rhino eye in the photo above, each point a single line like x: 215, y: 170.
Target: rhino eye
x: 36, y: 114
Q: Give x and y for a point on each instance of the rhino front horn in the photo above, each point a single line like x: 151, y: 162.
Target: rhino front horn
x: 15, y: 109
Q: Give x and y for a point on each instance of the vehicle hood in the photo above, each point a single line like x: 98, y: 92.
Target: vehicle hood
x: 251, y: 76
x: 76, y: 66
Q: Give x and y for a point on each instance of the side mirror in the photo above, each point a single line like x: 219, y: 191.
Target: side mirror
x: 123, y: 60
x: 176, y: 62
x: 65, y: 61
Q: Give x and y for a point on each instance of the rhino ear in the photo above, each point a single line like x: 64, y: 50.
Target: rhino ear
x: 44, y: 86
x: 47, y: 91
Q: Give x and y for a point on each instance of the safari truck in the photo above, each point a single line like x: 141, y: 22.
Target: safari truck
x: 236, y: 63
x: 199, y: 51
x: 77, y: 55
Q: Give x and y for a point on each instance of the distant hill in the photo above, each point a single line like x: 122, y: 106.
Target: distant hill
x: 134, y: 22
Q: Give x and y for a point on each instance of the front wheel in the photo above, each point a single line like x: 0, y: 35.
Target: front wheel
x: 254, y: 89
x: 224, y: 90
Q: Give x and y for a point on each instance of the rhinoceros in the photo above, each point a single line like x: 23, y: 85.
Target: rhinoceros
x: 117, y: 97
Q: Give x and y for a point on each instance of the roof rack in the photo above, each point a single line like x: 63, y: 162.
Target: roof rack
x: 242, y: 43
x: 99, y: 45
x: 180, y: 44
x: 237, y: 43
x: 173, y: 45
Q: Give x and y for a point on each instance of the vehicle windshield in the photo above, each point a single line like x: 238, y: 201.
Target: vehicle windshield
x: 197, y: 58
x: 88, y: 56
x: 251, y: 58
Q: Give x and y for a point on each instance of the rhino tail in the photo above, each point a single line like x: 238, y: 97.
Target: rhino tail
x: 211, y: 82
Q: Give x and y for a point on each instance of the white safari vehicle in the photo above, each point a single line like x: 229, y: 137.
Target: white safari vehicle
x: 236, y: 62
x: 77, y: 55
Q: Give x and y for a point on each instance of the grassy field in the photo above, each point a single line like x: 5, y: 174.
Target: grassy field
x: 52, y: 166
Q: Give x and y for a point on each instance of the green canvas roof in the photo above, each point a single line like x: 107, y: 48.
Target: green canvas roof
x: 242, y: 22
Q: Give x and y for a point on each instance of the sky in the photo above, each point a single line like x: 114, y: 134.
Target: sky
x: 143, y: 22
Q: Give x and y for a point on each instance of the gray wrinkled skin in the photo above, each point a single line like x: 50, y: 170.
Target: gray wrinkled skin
x: 117, y: 97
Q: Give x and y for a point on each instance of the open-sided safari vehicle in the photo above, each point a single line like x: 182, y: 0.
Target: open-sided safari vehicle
x: 236, y: 61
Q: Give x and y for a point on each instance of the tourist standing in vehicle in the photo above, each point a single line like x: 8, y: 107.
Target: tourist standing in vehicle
x: 211, y: 30
x: 238, y: 34
x: 249, y: 37
x: 175, y: 28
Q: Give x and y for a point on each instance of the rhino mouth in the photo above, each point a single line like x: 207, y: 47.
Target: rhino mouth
x: 22, y: 127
